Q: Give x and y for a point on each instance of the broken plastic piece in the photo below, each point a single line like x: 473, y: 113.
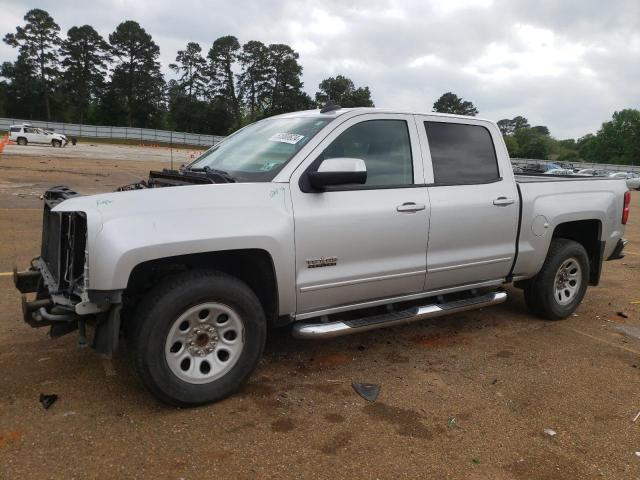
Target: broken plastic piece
x: 48, y: 400
x: 368, y: 391
x: 622, y: 314
x: 550, y: 432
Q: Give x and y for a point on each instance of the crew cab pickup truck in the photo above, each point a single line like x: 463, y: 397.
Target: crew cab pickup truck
x: 332, y: 222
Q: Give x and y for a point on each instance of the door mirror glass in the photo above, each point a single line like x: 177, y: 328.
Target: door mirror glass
x: 339, y: 171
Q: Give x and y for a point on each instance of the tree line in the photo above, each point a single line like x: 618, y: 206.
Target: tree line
x: 85, y: 78
x: 616, y: 142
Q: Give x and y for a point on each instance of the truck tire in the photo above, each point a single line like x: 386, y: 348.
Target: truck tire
x: 22, y: 141
x: 197, y: 337
x: 557, y: 290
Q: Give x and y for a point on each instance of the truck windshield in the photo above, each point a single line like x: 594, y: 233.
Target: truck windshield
x: 257, y: 152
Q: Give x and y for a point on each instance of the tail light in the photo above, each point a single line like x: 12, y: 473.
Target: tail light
x: 625, y: 207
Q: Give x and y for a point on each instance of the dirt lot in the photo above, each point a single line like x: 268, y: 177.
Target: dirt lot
x: 462, y: 397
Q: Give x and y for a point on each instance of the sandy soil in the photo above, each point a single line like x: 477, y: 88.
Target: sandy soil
x: 467, y: 396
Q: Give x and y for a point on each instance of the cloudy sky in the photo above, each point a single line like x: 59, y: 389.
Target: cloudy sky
x: 567, y: 64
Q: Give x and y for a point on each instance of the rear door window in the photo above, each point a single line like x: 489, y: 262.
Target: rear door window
x: 461, y: 154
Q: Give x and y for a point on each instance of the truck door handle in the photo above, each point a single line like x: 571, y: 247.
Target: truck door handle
x: 503, y: 201
x: 410, y: 207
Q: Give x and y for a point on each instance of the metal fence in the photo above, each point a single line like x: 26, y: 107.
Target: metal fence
x: 122, y: 133
x: 521, y: 162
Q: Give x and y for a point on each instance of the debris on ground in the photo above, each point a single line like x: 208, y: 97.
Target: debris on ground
x: 550, y: 432
x: 452, y: 421
x: 48, y: 400
x: 368, y: 391
x: 636, y: 417
x: 637, y: 454
x: 475, y: 461
x: 629, y: 331
x: 622, y: 314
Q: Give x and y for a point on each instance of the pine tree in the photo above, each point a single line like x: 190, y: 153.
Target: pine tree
x: 36, y: 42
x: 85, y: 56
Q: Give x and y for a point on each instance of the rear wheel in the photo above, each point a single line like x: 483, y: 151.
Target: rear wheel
x: 197, y: 337
x: 559, y: 287
x: 22, y: 141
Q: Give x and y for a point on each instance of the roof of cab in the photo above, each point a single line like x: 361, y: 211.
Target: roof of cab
x: 342, y: 111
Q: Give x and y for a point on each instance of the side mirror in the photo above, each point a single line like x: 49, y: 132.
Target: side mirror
x: 338, y: 171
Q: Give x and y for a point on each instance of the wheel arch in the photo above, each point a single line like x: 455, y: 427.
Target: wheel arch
x: 255, y: 267
x: 588, y: 234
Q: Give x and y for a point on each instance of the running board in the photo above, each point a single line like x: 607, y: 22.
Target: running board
x: 347, y: 327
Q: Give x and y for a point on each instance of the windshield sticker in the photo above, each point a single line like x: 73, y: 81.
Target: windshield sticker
x: 290, y: 138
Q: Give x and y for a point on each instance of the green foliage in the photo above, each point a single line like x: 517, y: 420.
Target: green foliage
x: 343, y: 92
x: 136, y: 76
x: 286, y: 93
x: 36, y: 42
x: 510, y: 126
x: 222, y: 56
x: 451, y: 103
x: 85, y: 55
x: 617, y: 141
x: 253, y: 81
x: 512, y: 146
x: 190, y: 65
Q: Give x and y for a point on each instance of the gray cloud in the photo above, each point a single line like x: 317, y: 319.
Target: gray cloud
x: 566, y: 64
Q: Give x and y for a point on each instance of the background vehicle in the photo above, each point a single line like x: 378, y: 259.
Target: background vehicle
x: 633, y: 179
x: 593, y: 172
x: 25, y: 134
x: 540, y: 167
x: 559, y: 171
x: 334, y: 222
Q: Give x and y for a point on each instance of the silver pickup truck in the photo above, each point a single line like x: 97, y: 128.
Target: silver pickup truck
x: 331, y: 222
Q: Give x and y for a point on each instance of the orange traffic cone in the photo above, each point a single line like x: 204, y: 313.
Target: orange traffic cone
x: 1, y: 146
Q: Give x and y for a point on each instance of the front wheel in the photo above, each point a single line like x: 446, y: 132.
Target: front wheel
x: 197, y: 337
x: 56, y: 143
x: 557, y: 290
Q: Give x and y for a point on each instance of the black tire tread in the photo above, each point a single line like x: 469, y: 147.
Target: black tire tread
x: 137, y: 337
x: 536, y: 290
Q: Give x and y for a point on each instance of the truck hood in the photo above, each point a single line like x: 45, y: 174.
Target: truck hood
x: 170, y: 202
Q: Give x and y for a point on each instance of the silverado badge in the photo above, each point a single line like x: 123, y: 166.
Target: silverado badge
x: 322, y: 262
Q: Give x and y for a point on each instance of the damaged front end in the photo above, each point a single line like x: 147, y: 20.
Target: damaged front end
x: 59, y: 278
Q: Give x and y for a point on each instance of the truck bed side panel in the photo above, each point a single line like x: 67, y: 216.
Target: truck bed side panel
x: 547, y: 204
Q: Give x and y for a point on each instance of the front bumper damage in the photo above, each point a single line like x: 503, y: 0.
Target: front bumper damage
x: 63, y: 315
x: 58, y: 277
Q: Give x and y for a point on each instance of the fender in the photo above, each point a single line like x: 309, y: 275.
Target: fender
x: 128, y: 228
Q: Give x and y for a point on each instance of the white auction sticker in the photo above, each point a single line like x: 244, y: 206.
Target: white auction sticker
x: 291, y: 138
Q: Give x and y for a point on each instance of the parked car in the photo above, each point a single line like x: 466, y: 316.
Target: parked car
x: 540, y: 167
x: 559, y: 171
x: 333, y: 222
x: 594, y: 172
x: 25, y: 134
x: 633, y: 179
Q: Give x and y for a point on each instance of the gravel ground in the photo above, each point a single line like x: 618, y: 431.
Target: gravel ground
x: 86, y: 150
x: 467, y: 396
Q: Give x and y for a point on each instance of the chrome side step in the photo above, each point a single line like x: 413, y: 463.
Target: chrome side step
x: 347, y: 327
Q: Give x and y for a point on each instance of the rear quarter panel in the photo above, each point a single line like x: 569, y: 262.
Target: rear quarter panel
x: 557, y: 202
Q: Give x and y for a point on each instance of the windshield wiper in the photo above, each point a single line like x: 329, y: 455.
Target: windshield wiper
x: 218, y: 176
